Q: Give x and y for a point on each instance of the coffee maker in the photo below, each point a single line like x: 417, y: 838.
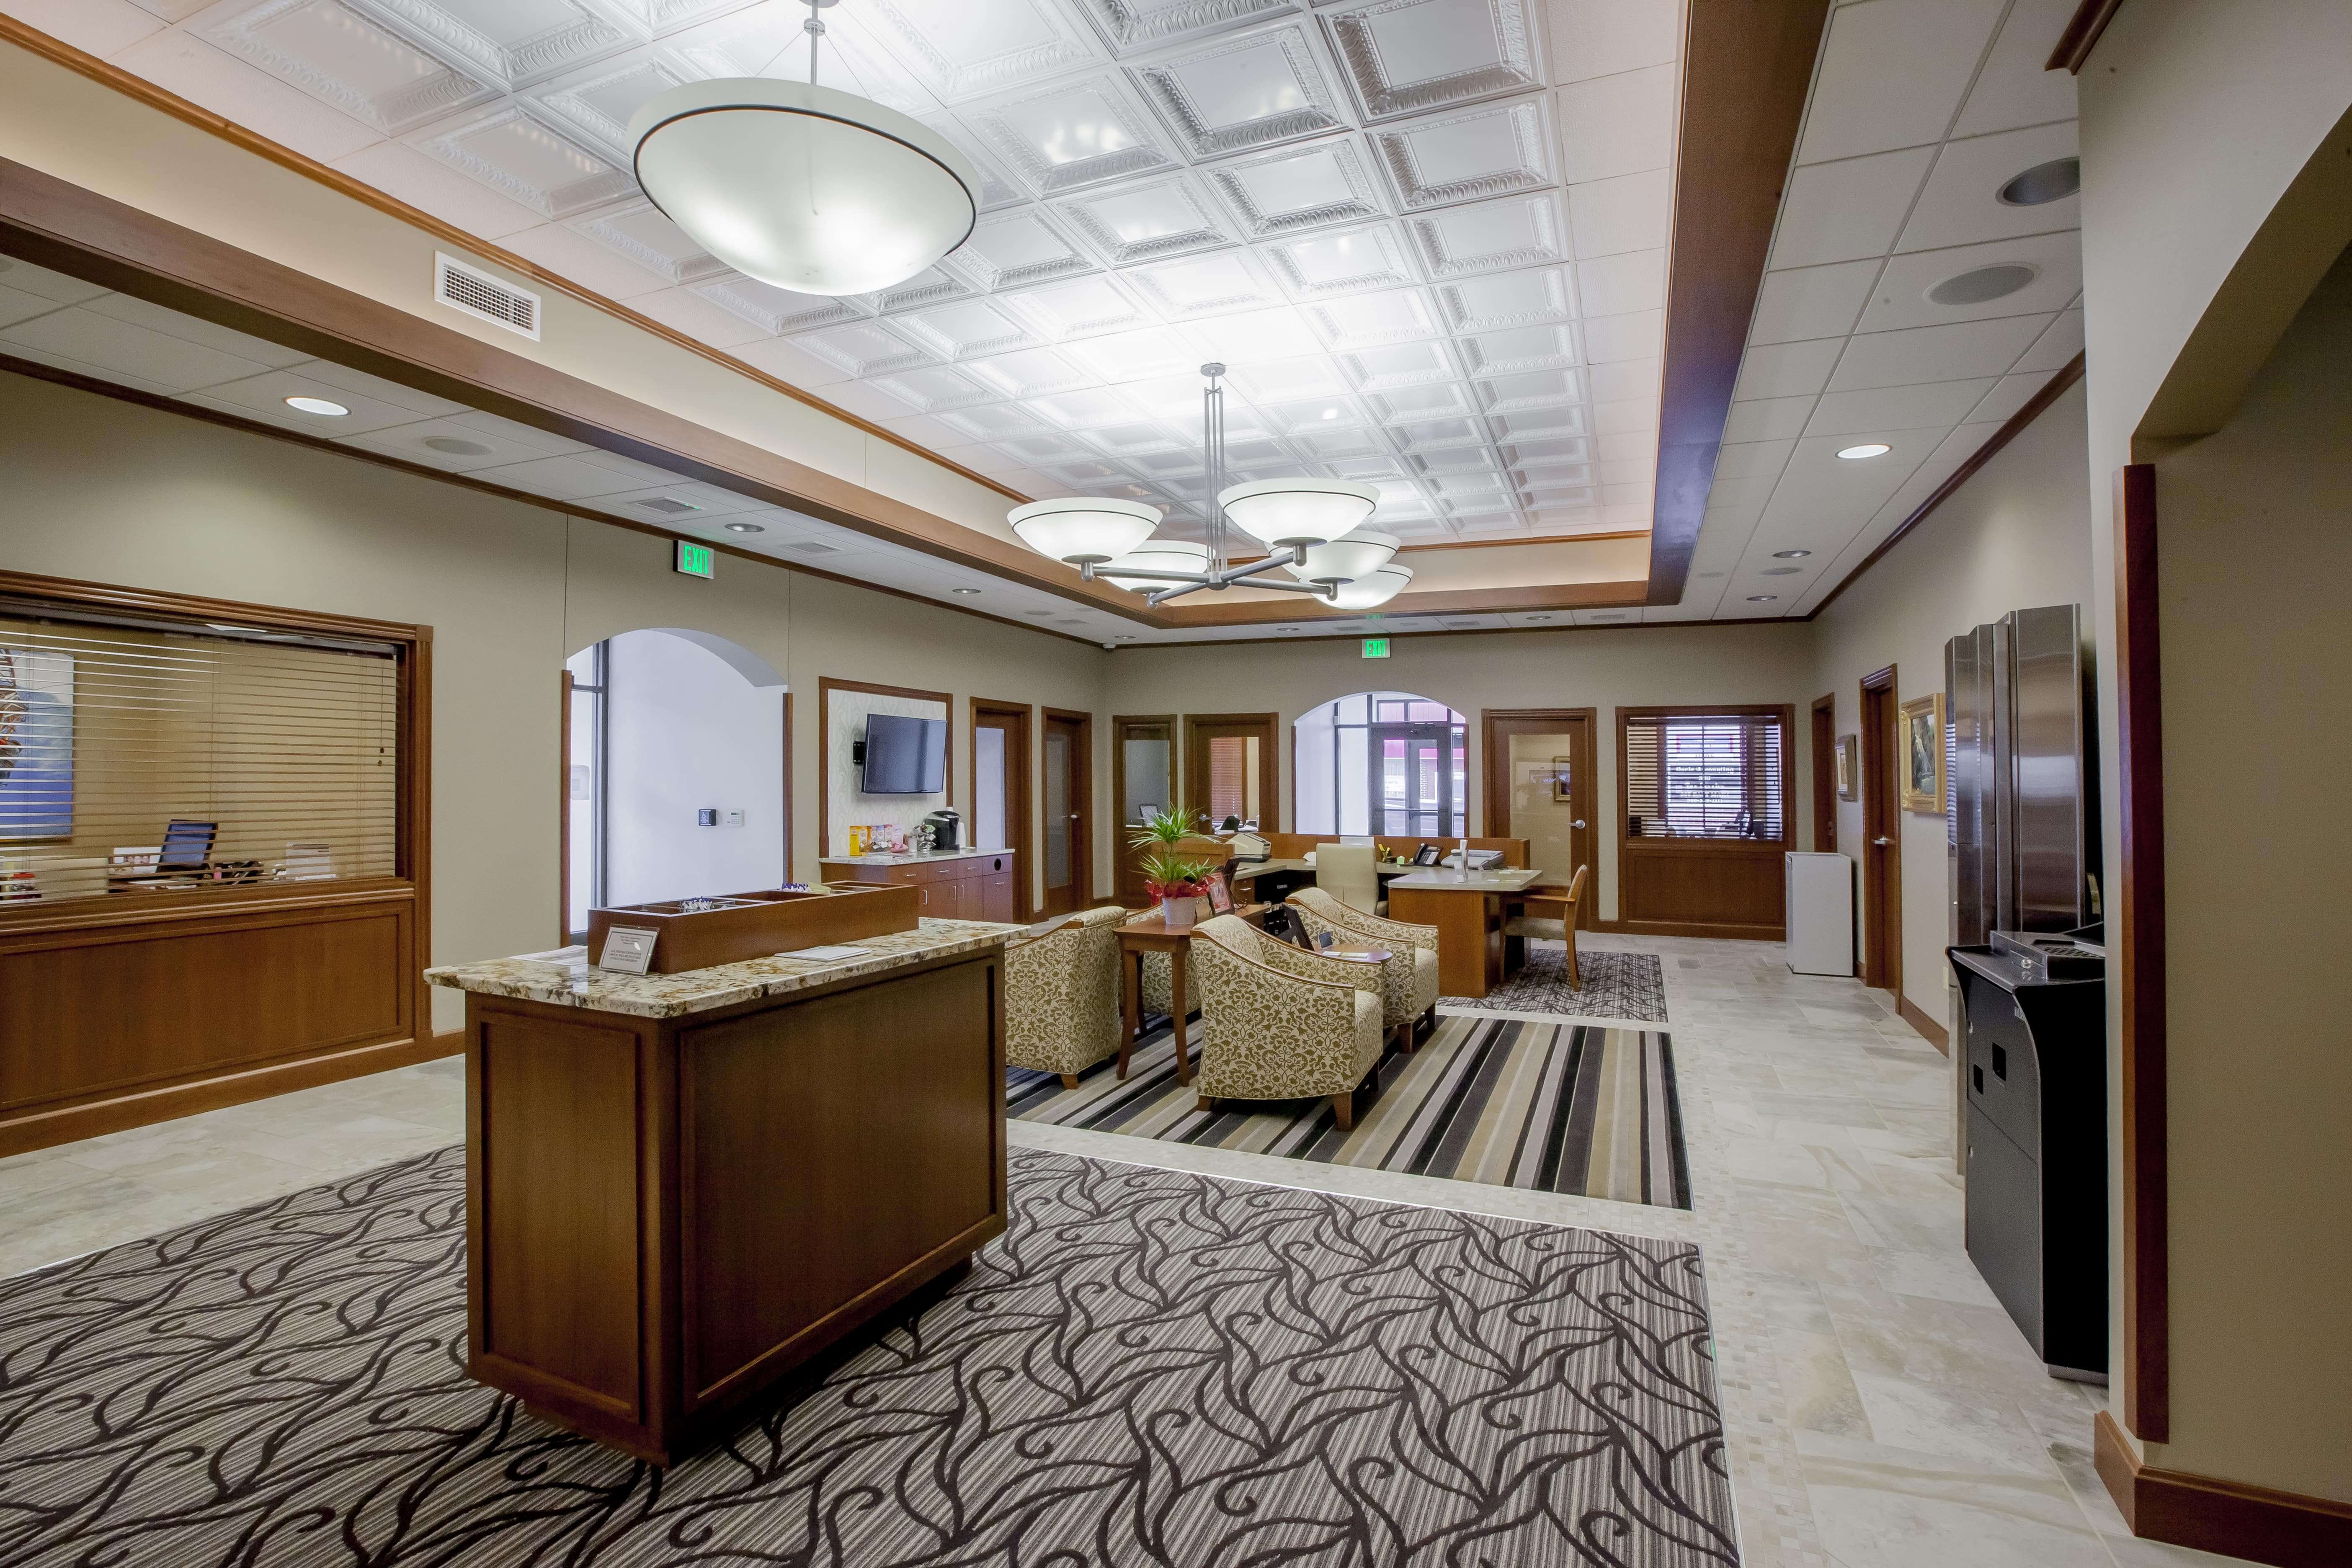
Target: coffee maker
x: 947, y: 828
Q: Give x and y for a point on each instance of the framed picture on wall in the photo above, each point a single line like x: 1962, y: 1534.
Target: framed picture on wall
x: 1562, y: 778
x: 1923, y: 753
x: 1849, y: 773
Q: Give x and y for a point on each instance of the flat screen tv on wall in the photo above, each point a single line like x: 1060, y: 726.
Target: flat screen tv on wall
x: 904, y: 756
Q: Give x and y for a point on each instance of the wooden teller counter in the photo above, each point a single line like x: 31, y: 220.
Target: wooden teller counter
x: 212, y: 854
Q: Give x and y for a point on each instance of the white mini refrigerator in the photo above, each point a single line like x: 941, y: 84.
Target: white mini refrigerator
x: 1820, y: 914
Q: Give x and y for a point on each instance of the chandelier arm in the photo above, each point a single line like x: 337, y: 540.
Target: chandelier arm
x: 1161, y: 596
x: 814, y: 29
x: 1320, y: 590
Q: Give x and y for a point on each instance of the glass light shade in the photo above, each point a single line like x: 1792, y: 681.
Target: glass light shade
x: 1155, y: 555
x: 1298, y: 512
x: 1078, y: 530
x: 1379, y: 588
x: 1359, y: 554
x: 809, y: 188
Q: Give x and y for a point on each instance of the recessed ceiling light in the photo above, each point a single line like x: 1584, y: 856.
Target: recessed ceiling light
x: 317, y: 406
x: 1782, y: 571
x: 746, y: 528
x: 1330, y: 413
x: 963, y: 592
x: 1981, y: 284
x: 2050, y: 182
x: 1534, y: 620
x: 1286, y: 629
x: 1762, y: 598
x: 1867, y: 449
x: 456, y: 447
x: 1790, y: 554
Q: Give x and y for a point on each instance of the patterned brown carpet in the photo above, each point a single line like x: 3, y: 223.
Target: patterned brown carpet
x: 1152, y: 1368
x: 1630, y: 985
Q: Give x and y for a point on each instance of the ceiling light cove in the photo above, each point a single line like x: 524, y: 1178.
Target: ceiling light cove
x: 806, y: 188
x: 1790, y: 554
x: 1763, y: 598
x: 965, y: 593
x: 317, y: 406
x: 1856, y: 455
x: 746, y: 528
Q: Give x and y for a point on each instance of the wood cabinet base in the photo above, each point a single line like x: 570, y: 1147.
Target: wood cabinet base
x: 1470, y: 956
x: 669, y: 1218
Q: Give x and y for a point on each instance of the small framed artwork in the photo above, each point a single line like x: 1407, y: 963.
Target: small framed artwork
x: 1849, y: 769
x: 1562, y: 778
x: 1923, y: 753
x: 1220, y: 898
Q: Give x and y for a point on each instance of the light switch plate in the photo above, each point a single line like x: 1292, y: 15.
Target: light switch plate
x: 707, y: 817
x: 734, y: 819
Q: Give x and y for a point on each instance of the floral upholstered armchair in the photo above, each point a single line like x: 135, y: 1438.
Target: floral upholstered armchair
x: 1061, y: 995
x: 1156, y: 982
x: 1279, y: 1023
x: 1409, y: 978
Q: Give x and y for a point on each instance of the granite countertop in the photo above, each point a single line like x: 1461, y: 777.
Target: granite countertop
x: 1437, y: 878
x: 910, y: 858
x: 563, y: 978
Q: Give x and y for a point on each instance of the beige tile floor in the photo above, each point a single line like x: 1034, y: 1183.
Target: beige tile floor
x: 1883, y: 1411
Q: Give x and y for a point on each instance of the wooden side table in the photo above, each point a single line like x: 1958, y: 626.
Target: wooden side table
x: 1150, y: 933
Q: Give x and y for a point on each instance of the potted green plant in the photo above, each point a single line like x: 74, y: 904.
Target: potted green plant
x: 1173, y: 879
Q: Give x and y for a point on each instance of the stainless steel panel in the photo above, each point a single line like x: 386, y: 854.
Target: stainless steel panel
x: 2046, y: 771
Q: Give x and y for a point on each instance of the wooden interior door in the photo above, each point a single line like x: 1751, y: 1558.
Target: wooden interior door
x: 1066, y: 785
x: 1143, y: 780
x: 1230, y: 770
x: 1824, y: 746
x: 1003, y: 753
x: 1882, y: 835
x: 1540, y: 788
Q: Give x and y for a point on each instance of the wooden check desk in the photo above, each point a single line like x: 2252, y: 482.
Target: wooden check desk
x: 1467, y: 908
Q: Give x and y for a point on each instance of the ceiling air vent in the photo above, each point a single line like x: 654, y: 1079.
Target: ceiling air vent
x: 667, y: 507
x: 476, y: 293
x: 809, y: 547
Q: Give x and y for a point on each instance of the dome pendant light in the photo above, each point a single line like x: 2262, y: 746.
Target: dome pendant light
x: 806, y: 188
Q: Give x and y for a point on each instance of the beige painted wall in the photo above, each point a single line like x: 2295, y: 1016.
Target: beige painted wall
x: 2015, y: 536
x: 111, y: 493
x: 1602, y: 668
x: 2196, y: 116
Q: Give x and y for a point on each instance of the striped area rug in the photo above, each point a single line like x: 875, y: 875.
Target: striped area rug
x: 1559, y: 1107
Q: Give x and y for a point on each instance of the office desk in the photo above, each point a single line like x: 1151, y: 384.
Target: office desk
x: 1466, y: 908
x: 1288, y: 875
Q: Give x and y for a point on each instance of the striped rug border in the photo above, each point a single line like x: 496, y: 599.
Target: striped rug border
x: 1561, y: 1105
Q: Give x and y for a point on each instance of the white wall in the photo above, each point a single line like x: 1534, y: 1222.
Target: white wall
x: 851, y: 805
x: 687, y: 731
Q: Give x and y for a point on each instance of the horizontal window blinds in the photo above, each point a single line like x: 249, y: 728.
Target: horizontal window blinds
x: 135, y: 760
x: 1705, y: 776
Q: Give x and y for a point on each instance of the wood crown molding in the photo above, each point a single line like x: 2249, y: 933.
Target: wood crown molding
x: 2081, y: 34
x: 2286, y: 1529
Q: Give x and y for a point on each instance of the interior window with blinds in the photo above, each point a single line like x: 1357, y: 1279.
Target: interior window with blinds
x: 1704, y: 776
x: 140, y: 759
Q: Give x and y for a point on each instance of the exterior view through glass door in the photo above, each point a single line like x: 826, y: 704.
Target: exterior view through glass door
x: 1417, y: 785
x: 1068, y: 793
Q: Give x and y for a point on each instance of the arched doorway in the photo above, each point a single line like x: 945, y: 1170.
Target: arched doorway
x: 678, y: 778
x: 1390, y: 762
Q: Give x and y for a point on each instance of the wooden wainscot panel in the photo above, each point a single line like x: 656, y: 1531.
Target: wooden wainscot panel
x: 1735, y: 889
x: 87, y: 1012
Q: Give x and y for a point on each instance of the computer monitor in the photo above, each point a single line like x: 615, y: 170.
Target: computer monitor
x: 187, y: 846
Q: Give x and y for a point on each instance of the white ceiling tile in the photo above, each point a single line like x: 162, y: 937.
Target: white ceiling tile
x: 1901, y: 298
x: 2011, y: 393
x: 1787, y: 370
x: 1398, y: 365
x: 1812, y: 301
x: 1068, y: 135
x: 1613, y: 285
x: 520, y: 434
x: 391, y: 393
x: 1433, y: 162
x: 1618, y: 125
x: 172, y: 323
x: 596, y: 101
x: 1205, y: 286
x: 1602, y: 37
x: 1540, y: 423
x: 642, y: 233
x: 1635, y: 334
x: 510, y: 44
x: 963, y: 48
x: 1243, y: 91
x: 705, y: 320
x: 510, y: 151
x: 1408, y: 404
x: 1133, y: 26
x: 1752, y: 459
x: 1962, y: 203
x: 402, y: 171
x: 1892, y: 74
x: 570, y: 254
x: 449, y: 443
x: 789, y: 362
x: 2014, y: 88
x: 1084, y: 409
x: 1132, y: 356
x: 1136, y: 439
x: 865, y: 348
x: 341, y: 56
x: 1516, y: 231
x: 1941, y: 402
x: 111, y: 344
x: 991, y: 422
x: 1298, y: 188
x: 1515, y: 349
x: 1628, y: 213
x: 1304, y: 379
x: 16, y: 305
x: 1527, y: 389
x: 964, y: 330
x: 100, y: 27
x: 931, y: 286
x: 243, y: 93
x: 1340, y: 261
x: 779, y: 310
x: 998, y: 189
x: 932, y: 389
x: 559, y: 479
x: 1254, y: 337
x: 1838, y: 212
x: 2058, y: 345
x: 1563, y: 452
x: 1446, y: 434
x: 1029, y: 373
x: 56, y: 288
x: 1626, y: 417
x: 1949, y: 352
x: 1084, y: 307
x: 1527, y: 298
x: 865, y: 400
x: 1626, y: 380
x: 1146, y: 221
x: 1408, y: 57
x: 1766, y: 419
x: 1007, y: 250
x: 1364, y: 320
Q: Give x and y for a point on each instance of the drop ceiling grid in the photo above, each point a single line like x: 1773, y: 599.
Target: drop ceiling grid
x: 1920, y: 110
x: 1466, y: 270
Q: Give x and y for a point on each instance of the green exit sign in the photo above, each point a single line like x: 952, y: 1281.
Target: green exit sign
x: 695, y: 560
x: 1376, y: 648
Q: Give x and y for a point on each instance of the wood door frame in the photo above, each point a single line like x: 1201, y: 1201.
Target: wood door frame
x: 1118, y: 723
x: 1882, y: 818
x: 1629, y: 850
x: 1495, y: 726
x: 563, y: 818
x: 1270, y: 766
x: 1823, y: 742
x: 1082, y: 795
x: 825, y: 686
x: 786, y: 790
x: 1020, y: 809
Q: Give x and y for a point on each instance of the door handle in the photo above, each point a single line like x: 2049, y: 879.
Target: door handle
x: 1578, y: 823
x: 1884, y: 843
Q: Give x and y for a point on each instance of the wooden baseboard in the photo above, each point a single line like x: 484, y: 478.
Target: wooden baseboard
x: 1936, y: 1034
x: 1686, y: 928
x: 2284, y: 1529
x: 46, y: 1129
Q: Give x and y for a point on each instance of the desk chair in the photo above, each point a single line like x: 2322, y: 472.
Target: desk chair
x: 1550, y: 915
x: 1345, y: 871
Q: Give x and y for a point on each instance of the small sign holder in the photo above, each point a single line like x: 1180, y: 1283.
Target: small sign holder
x: 627, y: 950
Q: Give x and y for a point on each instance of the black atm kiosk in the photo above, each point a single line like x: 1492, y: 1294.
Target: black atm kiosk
x: 2035, y: 1011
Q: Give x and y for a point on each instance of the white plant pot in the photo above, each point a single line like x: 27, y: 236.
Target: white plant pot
x: 1179, y: 913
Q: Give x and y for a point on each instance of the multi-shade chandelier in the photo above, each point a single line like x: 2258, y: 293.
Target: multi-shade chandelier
x: 1311, y: 529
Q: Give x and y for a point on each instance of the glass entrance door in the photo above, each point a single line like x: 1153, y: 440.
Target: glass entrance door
x: 1414, y: 785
